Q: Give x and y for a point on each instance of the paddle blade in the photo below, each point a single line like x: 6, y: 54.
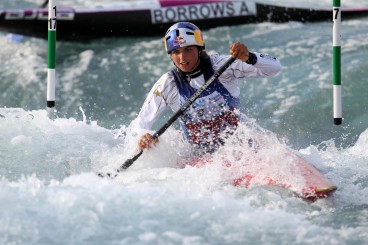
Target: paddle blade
x: 109, y: 175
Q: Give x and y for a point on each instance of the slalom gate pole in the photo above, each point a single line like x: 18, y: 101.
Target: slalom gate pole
x: 51, y: 58
x: 336, y: 47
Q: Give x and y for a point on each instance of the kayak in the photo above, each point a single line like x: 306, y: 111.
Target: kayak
x: 294, y: 173
x: 154, y: 18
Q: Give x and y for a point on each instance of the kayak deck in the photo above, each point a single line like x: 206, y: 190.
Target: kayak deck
x: 302, y: 178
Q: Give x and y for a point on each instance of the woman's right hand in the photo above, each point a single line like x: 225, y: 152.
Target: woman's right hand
x: 147, y: 141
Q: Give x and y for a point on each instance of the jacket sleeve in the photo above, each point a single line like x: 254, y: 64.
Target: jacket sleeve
x: 264, y: 66
x: 158, y: 99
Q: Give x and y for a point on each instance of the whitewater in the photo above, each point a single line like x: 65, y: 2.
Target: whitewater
x: 49, y: 158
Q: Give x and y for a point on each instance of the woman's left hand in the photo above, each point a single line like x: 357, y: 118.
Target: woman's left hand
x: 239, y: 51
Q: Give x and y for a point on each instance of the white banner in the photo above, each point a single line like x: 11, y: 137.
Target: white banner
x: 203, y: 11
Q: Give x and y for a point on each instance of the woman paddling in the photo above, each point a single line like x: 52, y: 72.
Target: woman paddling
x: 215, y: 114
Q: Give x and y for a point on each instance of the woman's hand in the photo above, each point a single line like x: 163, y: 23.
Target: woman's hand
x: 147, y: 141
x: 239, y: 51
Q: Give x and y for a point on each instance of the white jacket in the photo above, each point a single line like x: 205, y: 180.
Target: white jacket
x: 164, y: 92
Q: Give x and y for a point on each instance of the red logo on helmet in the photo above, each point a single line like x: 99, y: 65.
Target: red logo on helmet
x: 179, y: 41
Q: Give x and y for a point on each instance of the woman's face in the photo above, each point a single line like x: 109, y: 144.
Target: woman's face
x: 186, y: 58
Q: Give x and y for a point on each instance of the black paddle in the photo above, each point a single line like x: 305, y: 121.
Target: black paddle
x: 173, y: 118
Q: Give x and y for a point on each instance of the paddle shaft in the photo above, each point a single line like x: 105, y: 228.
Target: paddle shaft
x: 173, y: 118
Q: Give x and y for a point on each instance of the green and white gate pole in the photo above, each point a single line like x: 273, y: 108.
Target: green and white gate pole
x: 51, y: 58
x: 337, y: 101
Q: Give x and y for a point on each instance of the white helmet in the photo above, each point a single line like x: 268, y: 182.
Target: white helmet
x: 182, y: 34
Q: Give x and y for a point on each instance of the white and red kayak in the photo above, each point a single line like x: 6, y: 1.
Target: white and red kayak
x: 293, y: 173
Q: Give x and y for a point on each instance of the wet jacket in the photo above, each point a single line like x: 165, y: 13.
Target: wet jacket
x: 216, y: 112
